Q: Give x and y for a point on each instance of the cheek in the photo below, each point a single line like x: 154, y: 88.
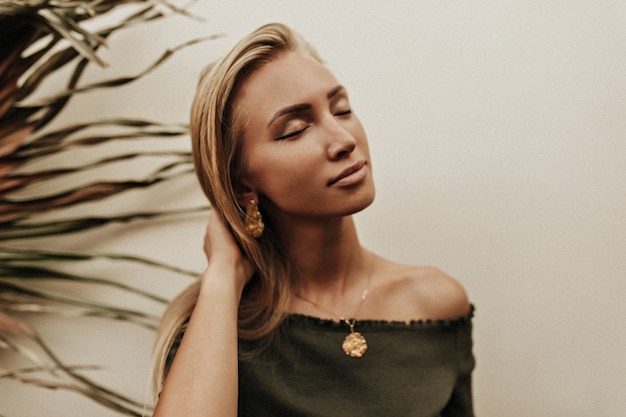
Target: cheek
x: 278, y: 172
x: 290, y: 190
x: 358, y: 131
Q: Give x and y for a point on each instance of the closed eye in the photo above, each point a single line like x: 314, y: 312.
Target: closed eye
x: 344, y: 113
x: 293, y: 134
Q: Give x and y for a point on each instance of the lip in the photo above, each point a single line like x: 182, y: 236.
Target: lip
x: 352, y: 175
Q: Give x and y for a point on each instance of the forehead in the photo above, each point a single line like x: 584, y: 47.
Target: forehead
x: 291, y: 78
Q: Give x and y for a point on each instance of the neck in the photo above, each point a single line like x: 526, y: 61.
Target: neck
x: 332, y: 266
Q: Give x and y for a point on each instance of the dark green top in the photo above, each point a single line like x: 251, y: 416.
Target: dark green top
x: 419, y: 369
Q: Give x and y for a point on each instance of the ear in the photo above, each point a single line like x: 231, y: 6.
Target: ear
x: 245, y: 193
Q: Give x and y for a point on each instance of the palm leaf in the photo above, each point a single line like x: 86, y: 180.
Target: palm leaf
x: 13, y: 183
x: 116, y: 82
x: 94, y: 308
x: 12, y: 210
x: 52, y: 64
x: 85, y: 45
x: 60, y: 375
x: 18, y: 231
x: 56, y: 137
x: 64, y: 46
x: 9, y: 273
x: 58, y: 142
x: 10, y: 255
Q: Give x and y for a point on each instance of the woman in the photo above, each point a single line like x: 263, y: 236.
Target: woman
x: 293, y: 317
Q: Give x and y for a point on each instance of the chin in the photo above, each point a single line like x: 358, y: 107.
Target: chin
x: 364, y: 202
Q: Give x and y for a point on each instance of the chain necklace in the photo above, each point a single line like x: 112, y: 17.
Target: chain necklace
x: 354, y: 345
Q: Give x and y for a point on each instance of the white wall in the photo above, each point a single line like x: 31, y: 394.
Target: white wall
x: 498, y: 134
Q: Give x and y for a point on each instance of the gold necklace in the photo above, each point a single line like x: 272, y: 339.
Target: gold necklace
x: 354, y: 344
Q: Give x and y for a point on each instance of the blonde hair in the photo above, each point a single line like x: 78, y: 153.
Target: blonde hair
x: 215, y: 133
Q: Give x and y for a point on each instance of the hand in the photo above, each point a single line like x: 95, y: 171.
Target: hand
x: 220, y: 246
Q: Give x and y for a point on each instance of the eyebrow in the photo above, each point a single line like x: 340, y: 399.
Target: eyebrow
x: 303, y: 106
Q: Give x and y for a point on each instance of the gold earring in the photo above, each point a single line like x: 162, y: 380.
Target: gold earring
x: 254, y: 222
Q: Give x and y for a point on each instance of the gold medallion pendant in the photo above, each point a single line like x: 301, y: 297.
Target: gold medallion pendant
x: 354, y: 345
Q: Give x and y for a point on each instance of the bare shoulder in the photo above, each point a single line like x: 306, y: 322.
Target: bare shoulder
x: 443, y: 295
x: 421, y: 292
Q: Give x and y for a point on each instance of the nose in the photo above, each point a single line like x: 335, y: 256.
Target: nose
x: 340, y: 141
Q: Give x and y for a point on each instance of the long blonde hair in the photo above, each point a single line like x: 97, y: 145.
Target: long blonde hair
x: 215, y: 133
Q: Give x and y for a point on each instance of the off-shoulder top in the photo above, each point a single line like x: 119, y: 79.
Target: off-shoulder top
x: 417, y: 369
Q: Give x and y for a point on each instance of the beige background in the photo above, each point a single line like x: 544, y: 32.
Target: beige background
x: 498, y: 133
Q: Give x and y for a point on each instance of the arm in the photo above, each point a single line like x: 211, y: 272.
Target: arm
x: 460, y: 403
x: 203, y: 379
